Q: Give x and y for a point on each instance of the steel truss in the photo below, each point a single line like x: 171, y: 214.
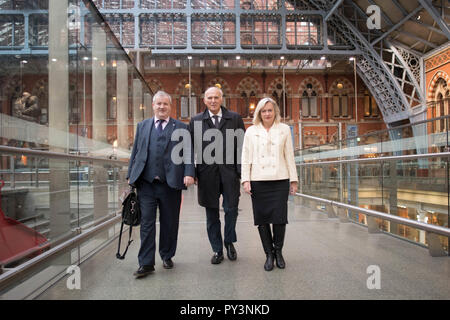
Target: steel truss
x: 392, y: 73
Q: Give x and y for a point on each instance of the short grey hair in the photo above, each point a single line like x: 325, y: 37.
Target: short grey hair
x: 161, y: 93
x: 217, y: 88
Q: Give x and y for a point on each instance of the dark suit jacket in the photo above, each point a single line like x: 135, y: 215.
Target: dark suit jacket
x: 210, y: 175
x: 175, y: 173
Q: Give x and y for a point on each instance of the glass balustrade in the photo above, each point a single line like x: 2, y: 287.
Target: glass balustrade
x: 70, y: 91
x: 416, y: 189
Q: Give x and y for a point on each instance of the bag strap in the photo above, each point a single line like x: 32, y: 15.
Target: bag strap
x: 118, y: 255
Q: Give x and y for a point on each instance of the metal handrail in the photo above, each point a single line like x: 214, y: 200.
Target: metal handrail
x: 378, y: 132
x: 376, y: 214
x: 377, y: 159
x: 9, y: 276
x: 58, y: 155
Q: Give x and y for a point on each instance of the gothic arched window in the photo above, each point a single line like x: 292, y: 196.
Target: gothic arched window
x: 281, y: 98
x: 310, y: 104
x: 341, y: 104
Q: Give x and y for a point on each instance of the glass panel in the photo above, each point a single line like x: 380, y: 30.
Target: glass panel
x: 412, y: 189
x: 77, y: 95
x: 313, y: 101
x: 184, y: 107
x: 208, y: 32
x: 305, y: 107
x: 260, y: 30
x: 212, y: 4
x: 12, y: 31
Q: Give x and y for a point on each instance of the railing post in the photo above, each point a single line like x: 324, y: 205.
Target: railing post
x: 12, y: 176
x: 37, y: 171
x: 330, y: 211
x: 342, y: 214
x: 434, y: 245
x: 372, y: 225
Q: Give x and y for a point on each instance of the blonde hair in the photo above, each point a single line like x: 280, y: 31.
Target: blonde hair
x: 261, y: 104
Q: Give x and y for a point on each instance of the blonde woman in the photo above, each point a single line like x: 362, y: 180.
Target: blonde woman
x: 269, y: 175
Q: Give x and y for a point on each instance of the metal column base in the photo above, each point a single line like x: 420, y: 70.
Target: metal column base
x: 331, y: 212
x: 434, y: 245
x: 372, y: 225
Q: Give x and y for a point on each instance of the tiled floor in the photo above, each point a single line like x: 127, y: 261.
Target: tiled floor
x: 325, y: 259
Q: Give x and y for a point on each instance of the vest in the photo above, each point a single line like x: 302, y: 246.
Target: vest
x: 154, y: 166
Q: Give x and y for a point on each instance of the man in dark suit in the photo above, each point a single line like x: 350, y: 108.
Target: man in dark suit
x: 159, y: 181
x: 221, y: 175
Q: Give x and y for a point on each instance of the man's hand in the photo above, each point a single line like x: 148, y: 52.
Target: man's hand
x: 188, y: 181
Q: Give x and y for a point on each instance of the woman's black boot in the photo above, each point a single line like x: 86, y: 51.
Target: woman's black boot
x: 279, y: 231
x: 266, y: 239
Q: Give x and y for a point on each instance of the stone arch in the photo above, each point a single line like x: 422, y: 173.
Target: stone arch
x: 347, y: 86
x: 432, y: 88
x: 275, y: 91
x: 223, y: 85
x: 275, y: 86
x: 247, y: 85
x: 181, y: 87
x: 317, y: 85
x: 155, y: 85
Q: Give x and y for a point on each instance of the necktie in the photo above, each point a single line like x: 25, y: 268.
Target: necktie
x: 159, y: 128
x: 216, y: 121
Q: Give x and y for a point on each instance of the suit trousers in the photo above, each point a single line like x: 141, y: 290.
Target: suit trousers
x: 151, y: 196
x: 213, y: 224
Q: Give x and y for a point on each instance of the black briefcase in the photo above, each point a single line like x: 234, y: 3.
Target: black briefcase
x: 131, y: 216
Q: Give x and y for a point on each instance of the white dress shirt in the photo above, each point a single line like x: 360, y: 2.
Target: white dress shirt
x: 219, y: 115
x: 165, y: 122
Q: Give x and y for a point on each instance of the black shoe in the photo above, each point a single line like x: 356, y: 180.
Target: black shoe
x: 217, y: 258
x: 144, y: 271
x: 231, y: 251
x: 168, y: 264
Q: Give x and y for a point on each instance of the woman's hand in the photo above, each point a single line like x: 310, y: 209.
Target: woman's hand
x: 247, y: 187
x: 293, y: 188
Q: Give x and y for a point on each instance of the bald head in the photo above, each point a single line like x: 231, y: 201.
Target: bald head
x: 214, y: 89
x: 213, y: 99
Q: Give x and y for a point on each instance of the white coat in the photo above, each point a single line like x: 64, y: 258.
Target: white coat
x: 268, y: 155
